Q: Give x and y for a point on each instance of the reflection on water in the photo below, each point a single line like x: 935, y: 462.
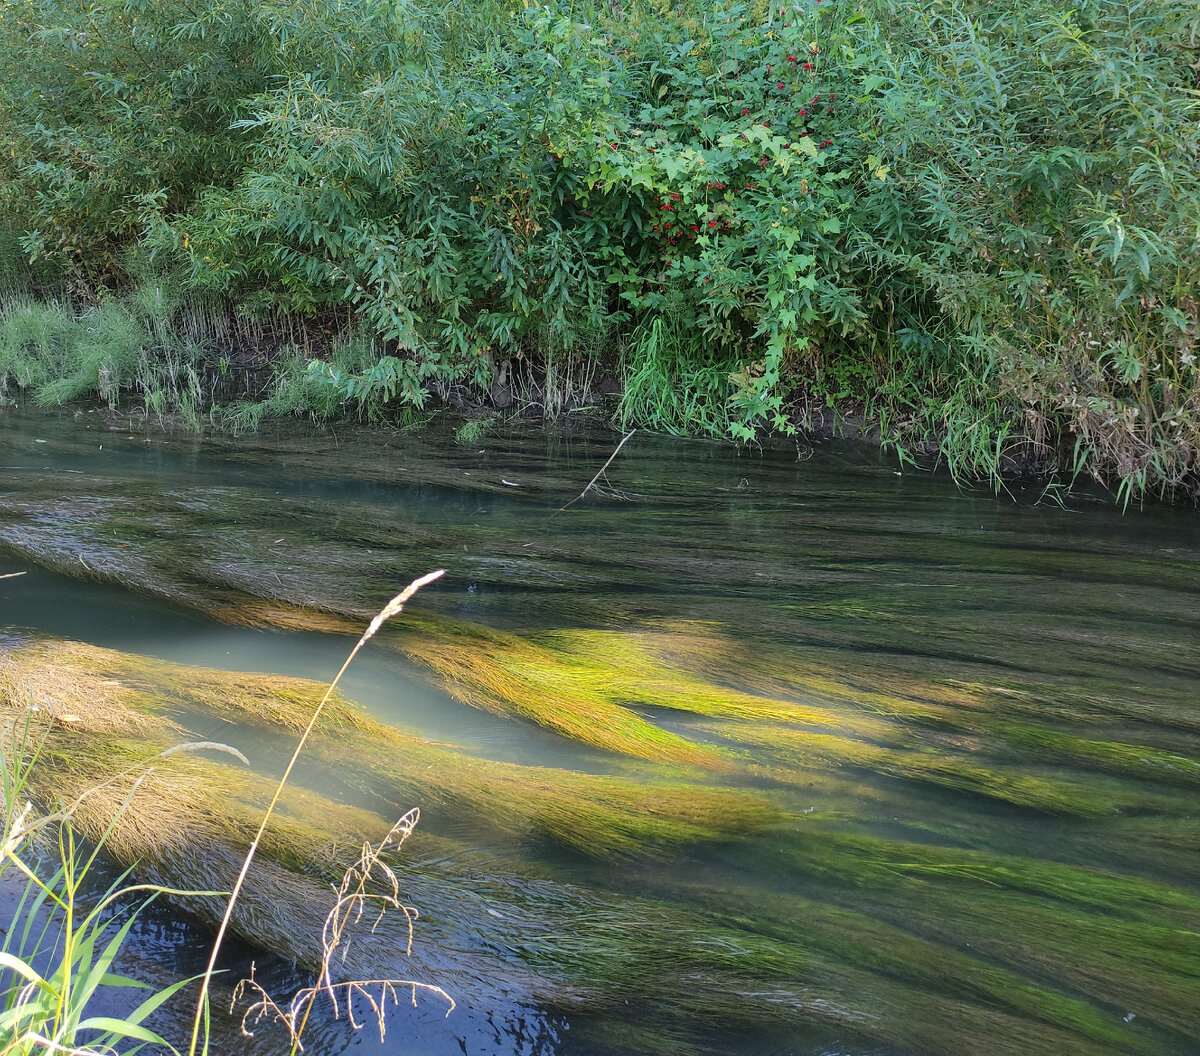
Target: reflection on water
x: 973, y: 721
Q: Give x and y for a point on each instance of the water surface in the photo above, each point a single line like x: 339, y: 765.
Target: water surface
x: 976, y: 720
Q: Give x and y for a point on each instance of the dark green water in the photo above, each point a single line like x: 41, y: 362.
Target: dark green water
x: 976, y: 723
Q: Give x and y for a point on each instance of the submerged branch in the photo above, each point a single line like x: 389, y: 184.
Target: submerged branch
x: 592, y: 482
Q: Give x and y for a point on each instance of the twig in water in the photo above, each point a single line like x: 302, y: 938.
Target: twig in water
x: 592, y: 482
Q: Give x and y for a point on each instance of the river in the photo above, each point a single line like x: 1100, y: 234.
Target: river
x: 751, y: 752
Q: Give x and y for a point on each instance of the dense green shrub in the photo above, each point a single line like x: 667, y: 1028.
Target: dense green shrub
x: 112, y: 117
x: 973, y: 224
x: 1049, y: 207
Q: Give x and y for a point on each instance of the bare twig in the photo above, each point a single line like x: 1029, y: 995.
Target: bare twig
x: 592, y: 482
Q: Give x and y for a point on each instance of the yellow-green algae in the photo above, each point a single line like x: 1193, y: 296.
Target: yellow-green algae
x: 834, y: 936
x: 581, y: 698
x: 83, y: 678
x: 1128, y: 966
x: 185, y: 822
x: 588, y: 685
x: 789, y: 755
x: 178, y: 834
x: 843, y: 857
x: 1052, y: 913
x: 595, y: 814
x: 591, y: 686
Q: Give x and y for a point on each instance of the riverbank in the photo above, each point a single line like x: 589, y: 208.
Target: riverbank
x: 471, y: 420
x: 970, y: 226
x: 208, y: 372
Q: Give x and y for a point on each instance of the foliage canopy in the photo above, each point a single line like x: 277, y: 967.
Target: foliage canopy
x: 976, y: 225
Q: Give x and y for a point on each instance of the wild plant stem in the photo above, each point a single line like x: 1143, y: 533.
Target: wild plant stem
x: 393, y: 608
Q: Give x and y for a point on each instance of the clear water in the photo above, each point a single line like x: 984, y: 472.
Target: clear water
x: 860, y: 923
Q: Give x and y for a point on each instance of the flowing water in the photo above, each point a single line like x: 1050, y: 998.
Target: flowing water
x: 753, y: 752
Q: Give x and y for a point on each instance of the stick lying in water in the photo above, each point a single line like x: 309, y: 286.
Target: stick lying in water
x: 592, y: 482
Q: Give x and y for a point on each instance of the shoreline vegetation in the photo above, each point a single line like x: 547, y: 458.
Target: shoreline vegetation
x: 970, y: 232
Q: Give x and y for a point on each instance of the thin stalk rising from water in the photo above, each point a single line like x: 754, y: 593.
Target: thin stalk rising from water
x: 392, y: 608
x: 591, y: 483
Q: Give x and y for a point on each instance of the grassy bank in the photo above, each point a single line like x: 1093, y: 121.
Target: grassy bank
x: 973, y: 226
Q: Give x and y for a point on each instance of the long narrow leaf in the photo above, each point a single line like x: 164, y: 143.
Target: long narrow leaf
x: 95, y: 976
x: 25, y: 971
x: 152, y: 1003
x: 122, y: 1028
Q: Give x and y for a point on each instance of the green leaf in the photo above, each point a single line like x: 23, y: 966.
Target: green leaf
x: 123, y: 981
x: 153, y: 1002
x: 25, y: 971
x: 88, y: 985
x: 123, y: 1029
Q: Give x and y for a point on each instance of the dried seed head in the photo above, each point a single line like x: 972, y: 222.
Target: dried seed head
x: 396, y: 605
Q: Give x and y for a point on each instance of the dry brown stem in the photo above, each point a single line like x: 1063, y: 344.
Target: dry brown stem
x: 392, y: 608
x: 592, y: 483
x: 369, y: 887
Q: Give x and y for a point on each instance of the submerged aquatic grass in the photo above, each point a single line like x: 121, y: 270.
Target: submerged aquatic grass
x: 920, y: 848
x: 107, y: 692
x: 512, y: 675
x: 925, y: 983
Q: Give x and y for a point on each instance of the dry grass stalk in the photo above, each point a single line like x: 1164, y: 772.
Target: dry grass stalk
x: 393, y: 608
x: 371, y: 888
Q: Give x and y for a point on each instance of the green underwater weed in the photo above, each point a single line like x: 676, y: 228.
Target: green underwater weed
x: 128, y: 704
x: 474, y: 430
x: 46, y: 1009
